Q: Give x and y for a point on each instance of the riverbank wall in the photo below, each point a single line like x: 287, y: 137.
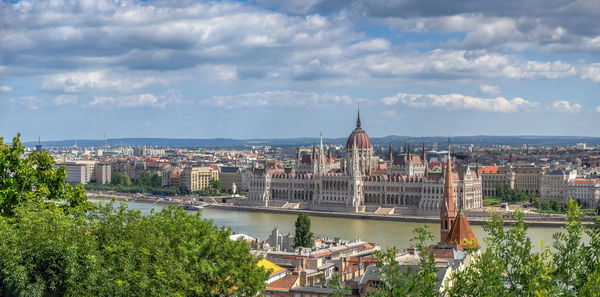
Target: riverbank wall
x: 538, y: 222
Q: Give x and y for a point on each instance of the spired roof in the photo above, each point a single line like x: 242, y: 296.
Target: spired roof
x: 461, y: 232
x: 358, y: 136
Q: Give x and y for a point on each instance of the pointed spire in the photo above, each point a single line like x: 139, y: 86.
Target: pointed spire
x: 358, y: 119
x: 448, y: 209
x: 390, y: 154
x: 321, y: 156
x: 298, y: 156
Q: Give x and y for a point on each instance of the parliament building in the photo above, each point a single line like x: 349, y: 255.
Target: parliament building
x: 402, y: 184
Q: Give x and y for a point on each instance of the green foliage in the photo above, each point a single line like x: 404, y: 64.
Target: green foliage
x: 577, y: 263
x: 213, y: 190
x: 119, y: 252
x: 404, y: 280
x: 134, y: 189
x: 508, y: 267
x: 338, y: 289
x: 492, y: 201
x: 32, y: 178
x: 53, y: 242
x: 119, y: 179
x: 507, y: 194
x: 303, y: 236
x: 552, y: 206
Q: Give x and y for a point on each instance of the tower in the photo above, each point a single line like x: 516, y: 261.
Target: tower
x: 448, y: 209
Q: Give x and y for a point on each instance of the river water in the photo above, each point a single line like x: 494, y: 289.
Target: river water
x: 385, y: 233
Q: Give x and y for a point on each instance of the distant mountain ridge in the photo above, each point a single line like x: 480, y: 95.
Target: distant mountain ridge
x: 481, y: 140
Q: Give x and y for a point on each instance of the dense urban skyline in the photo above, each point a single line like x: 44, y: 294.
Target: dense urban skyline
x: 252, y: 69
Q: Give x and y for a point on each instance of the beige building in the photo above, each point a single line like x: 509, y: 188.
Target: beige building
x: 555, y: 185
x: 585, y: 191
x: 198, y: 178
x: 528, y: 179
x: 494, y: 176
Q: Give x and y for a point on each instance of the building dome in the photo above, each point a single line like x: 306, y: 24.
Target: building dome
x: 358, y: 136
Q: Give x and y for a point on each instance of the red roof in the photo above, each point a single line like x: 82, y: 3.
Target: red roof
x: 490, y: 169
x: 285, y: 283
x: 461, y: 232
x: 360, y: 137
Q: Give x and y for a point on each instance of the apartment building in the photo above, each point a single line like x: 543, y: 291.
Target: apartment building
x: 198, y: 178
x: 84, y: 172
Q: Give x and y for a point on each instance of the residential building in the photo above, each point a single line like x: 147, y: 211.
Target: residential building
x: 198, y: 178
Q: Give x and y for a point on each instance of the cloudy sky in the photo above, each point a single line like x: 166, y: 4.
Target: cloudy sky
x: 271, y: 68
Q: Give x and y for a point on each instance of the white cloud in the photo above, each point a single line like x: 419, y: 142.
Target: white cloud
x: 6, y: 88
x: 460, y: 102
x: 489, y: 89
x: 598, y: 109
x: 64, y: 100
x: 565, y: 106
x: 138, y: 100
x: 76, y: 82
x: 591, y: 72
x: 277, y: 99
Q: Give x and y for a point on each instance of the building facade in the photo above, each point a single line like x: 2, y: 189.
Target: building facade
x: 360, y: 185
x: 198, y: 178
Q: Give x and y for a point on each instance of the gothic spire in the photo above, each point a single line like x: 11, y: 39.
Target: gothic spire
x: 358, y: 119
x: 448, y: 209
x: 390, y: 154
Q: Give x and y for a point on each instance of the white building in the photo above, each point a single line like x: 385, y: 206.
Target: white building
x: 361, y: 185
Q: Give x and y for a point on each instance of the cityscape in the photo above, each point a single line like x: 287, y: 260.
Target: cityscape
x: 356, y: 148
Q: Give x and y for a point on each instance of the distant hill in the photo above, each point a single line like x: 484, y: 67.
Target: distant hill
x: 480, y: 140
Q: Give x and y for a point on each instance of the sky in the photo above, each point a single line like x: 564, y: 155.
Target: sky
x: 296, y: 68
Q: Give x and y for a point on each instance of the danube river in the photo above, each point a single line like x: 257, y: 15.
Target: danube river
x: 386, y: 233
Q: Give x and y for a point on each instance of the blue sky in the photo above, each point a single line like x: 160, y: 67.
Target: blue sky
x: 271, y: 69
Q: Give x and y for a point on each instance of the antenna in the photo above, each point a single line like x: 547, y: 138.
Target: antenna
x: 39, y: 141
x: 104, y: 139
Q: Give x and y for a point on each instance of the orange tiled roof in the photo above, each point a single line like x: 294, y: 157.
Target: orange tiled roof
x: 285, y: 283
x: 461, y: 232
x: 489, y: 169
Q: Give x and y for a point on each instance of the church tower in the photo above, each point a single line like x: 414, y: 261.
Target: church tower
x: 448, y: 209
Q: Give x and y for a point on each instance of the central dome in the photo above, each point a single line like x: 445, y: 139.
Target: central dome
x: 358, y: 136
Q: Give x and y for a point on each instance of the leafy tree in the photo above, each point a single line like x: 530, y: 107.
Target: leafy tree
x: 338, y: 289
x: 303, y: 236
x: 155, y: 180
x: 408, y: 281
x: 119, y: 252
x: 215, y: 185
x: 508, y: 267
x: 32, y: 178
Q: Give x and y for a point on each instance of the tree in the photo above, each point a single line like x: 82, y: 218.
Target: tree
x: 508, y: 267
x: 338, y: 289
x: 31, y: 178
x: 76, y: 248
x: 119, y: 252
x: 405, y: 280
x: 303, y: 236
x: 215, y: 185
x: 156, y: 180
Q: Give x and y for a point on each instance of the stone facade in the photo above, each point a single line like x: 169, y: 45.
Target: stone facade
x: 406, y: 188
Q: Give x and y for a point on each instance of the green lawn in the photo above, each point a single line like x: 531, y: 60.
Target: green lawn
x: 492, y: 201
